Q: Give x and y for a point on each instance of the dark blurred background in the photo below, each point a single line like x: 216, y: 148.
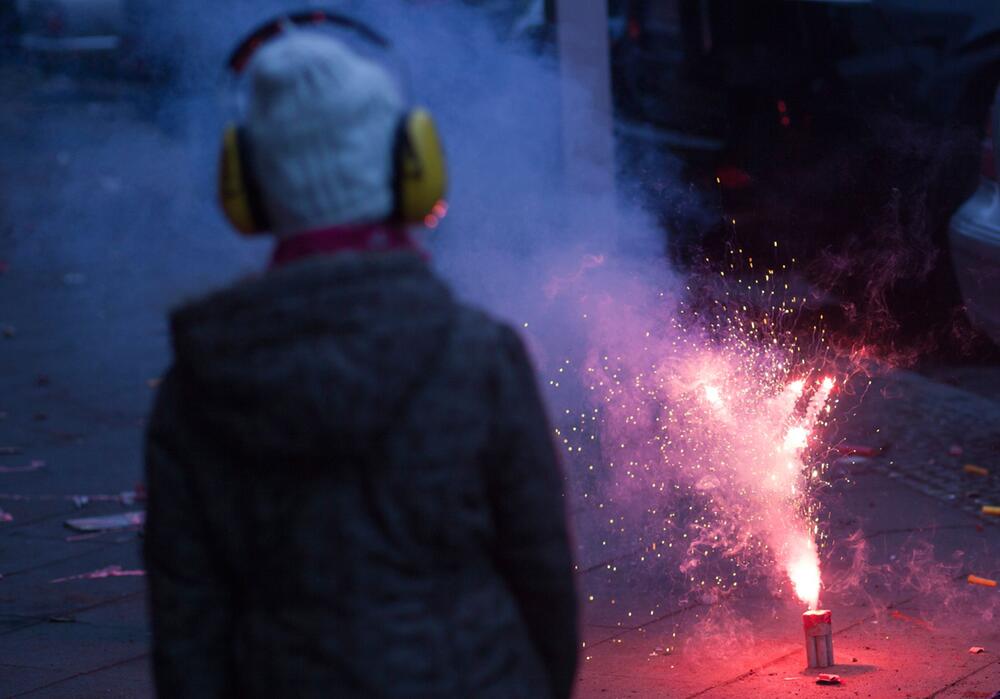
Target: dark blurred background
x: 855, y: 134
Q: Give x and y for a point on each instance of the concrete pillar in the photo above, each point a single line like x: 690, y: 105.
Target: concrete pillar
x: 585, y: 94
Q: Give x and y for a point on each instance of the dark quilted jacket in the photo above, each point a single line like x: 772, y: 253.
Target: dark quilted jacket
x: 353, y: 493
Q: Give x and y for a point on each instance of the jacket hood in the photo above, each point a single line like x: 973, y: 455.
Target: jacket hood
x: 316, y: 359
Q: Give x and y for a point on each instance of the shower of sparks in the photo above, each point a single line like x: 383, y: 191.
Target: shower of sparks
x: 693, y: 439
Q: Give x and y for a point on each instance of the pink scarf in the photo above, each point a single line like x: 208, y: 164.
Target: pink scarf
x: 330, y: 241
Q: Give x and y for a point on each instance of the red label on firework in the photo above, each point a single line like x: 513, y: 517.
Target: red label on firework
x: 816, y: 617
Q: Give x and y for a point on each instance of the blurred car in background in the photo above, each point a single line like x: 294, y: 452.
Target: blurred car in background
x: 52, y: 28
x: 975, y: 240
x: 83, y: 36
x: 10, y: 25
x: 779, y: 108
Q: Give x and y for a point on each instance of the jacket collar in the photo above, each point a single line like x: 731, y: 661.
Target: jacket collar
x: 337, y: 239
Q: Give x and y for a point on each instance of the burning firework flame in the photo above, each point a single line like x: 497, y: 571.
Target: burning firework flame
x: 803, y: 570
x: 703, y: 424
x: 775, y: 465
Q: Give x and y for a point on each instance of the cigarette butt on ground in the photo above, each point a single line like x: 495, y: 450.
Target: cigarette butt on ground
x: 976, y: 470
x: 991, y: 510
x: 985, y: 582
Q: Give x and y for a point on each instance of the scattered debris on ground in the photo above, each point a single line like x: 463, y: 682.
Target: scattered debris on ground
x: 975, y: 470
x: 827, y: 678
x: 985, y: 582
x: 126, y: 497
x: 114, y: 571
x: 976, y: 650
x: 124, y: 520
x: 33, y: 465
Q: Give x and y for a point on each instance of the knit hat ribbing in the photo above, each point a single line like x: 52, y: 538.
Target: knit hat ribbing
x: 321, y: 123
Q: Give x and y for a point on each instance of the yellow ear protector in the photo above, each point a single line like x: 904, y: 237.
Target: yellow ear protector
x: 419, y: 177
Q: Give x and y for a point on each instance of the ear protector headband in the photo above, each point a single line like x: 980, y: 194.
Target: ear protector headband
x: 419, y: 174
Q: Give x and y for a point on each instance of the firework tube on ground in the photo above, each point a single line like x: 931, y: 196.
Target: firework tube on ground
x: 818, y: 626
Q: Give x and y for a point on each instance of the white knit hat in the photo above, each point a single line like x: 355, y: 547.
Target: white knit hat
x: 321, y: 123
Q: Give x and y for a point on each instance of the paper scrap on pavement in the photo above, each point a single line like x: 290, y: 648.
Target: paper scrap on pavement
x: 976, y: 650
x: 124, y: 520
x: 826, y: 678
x: 33, y: 466
x: 114, y: 571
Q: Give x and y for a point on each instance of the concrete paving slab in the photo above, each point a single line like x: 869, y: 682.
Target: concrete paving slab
x: 979, y: 683
x: 34, y: 595
x: 20, y: 555
x: 128, y: 679
x: 895, y: 659
x: 16, y: 679
x: 130, y: 612
x: 73, y: 647
x: 622, y: 665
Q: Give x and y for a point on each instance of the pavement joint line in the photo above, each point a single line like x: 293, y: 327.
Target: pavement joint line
x: 614, y: 559
x: 37, y: 620
x: 62, y: 539
x: 753, y: 671
x: 41, y: 566
x: 917, y: 530
x: 963, y: 678
x: 13, y: 666
x: 109, y: 666
x: 624, y: 556
x: 628, y: 629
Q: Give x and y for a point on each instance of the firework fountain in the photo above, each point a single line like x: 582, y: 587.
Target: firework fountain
x: 707, y: 422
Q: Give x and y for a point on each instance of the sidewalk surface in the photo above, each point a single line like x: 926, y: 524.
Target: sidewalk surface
x: 80, y: 360
x: 905, y: 631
